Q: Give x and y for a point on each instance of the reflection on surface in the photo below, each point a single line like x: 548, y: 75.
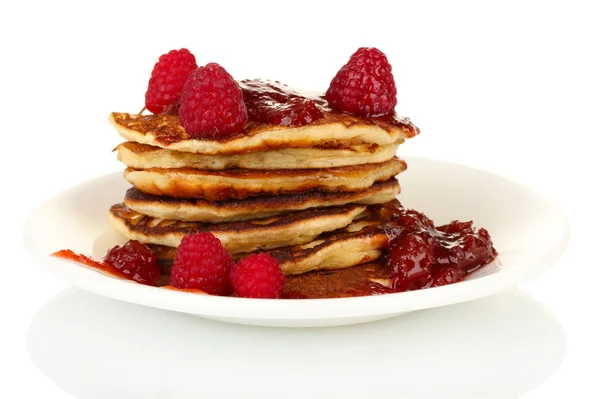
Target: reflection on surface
x: 93, y: 347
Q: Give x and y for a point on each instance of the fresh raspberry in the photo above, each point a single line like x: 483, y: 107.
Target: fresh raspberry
x: 167, y: 79
x: 257, y: 276
x: 202, y: 263
x: 364, y: 86
x: 135, y: 260
x: 212, y: 105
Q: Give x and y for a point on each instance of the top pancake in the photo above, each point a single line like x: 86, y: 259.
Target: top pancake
x: 334, y: 130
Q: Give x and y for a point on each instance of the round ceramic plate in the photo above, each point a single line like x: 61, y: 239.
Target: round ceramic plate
x: 529, y: 232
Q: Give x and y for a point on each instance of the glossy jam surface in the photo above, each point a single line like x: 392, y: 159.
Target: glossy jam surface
x: 103, y: 266
x: 99, y: 265
x: 129, y: 261
x: 136, y: 261
x: 277, y: 104
x: 421, y: 255
x: 418, y: 255
x: 274, y: 103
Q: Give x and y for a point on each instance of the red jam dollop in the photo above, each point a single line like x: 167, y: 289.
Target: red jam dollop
x: 275, y: 103
x: 103, y: 266
x: 135, y: 260
x: 421, y: 255
x: 96, y: 264
x: 132, y: 261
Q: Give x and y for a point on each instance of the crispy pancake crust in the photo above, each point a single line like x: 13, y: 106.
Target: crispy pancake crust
x: 243, y: 183
x: 143, y: 156
x: 165, y: 131
x: 365, y: 279
x: 289, y: 229
x: 254, y: 207
x: 359, y: 242
x: 330, y: 252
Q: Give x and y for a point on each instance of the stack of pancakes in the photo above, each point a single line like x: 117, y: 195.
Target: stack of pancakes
x: 304, y: 194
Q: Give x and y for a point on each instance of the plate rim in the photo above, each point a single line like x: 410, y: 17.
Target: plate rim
x: 295, y: 309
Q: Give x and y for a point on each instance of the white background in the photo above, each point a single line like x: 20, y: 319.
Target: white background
x: 511, y: 87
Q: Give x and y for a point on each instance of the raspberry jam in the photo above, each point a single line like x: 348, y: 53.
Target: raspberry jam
x: 106, y: 268
x: 417, y: 255
x: 135, y: 260
x: 99, y: 265
x: 421, y: 255
x: 131, y: 261
x: 277, y: 104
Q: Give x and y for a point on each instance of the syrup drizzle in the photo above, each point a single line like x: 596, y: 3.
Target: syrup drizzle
x: 99, y: 265
x: 105, y: 268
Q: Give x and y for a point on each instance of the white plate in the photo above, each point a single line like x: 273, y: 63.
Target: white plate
x: 528, y: 231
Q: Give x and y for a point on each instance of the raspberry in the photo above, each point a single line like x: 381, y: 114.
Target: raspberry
x: 212, y: 105
x: 364, y: 86
x: 167, y: 79
x: 257, y: 276
x: 202, y: 263
x: 276, y: 104
x: 136, y: 261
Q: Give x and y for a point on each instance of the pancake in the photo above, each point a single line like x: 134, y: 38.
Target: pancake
x: 243, y: 183
x: 347, y: 247
x: 165, y: 131
x: 366, y: 279
x: 237, y: 237
x: 359, y: 242
x: 342, y: 249
x: 143, y: 156
x: 254, y: 207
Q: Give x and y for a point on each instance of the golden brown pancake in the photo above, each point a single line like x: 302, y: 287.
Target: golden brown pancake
x: 254, y: 207
x: 365, y: 279
x: 345, y: 248
x: 237, y: 237
x: 165, y: 131
x: 359, y: 242
x: 243, y: 183
x: 143, y: 156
